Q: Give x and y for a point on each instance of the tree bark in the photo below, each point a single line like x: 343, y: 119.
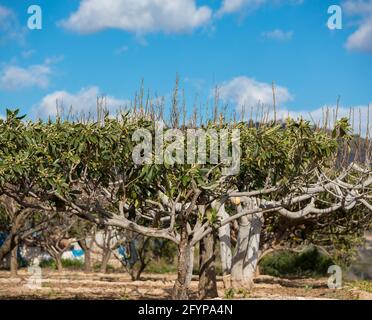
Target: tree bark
x: 58, y: 259
x: 191, y: 265
x: 207, y: 268
x: 184, y: 260
x: 246, y: 258
x: 237, y: 276
x: 224, y: 234
x: 252, y: 256
x: 14, y: 261
x: 13, y: 238
x: 87, y: 257
x: 8, y: 245
x: 87, y: 261
x: 105, y: 259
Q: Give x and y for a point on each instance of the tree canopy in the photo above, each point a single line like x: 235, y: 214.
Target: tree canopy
x: 87, y: 168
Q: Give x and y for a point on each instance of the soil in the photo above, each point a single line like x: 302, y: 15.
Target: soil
x: 78, y: 285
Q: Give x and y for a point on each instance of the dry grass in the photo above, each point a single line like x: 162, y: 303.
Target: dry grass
x: 77, y: 285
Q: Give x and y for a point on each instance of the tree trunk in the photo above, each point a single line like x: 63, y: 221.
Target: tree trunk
x: 58, y: 259
x: 191, y: 265
x: 141, y: 268
x: 87, y: 261
x: 252, y: 256
x: 14, y: 261
x: 8, y: 245
x: 13, y: 238
x: 225, y: 248
x: 87, y: 258
x: 207, y: 268
x: 184, y: 260
x: 105, y: 259
x: 15, y: 235
x: 237, y: 276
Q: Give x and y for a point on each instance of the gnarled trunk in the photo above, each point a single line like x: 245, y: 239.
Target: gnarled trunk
x: 237, y: 276
x: 191, y: 265
x: 207, y: 268
x: 224, y: 235
x: 184, y: 264
x: 252, y: 256
x: 247, y: 252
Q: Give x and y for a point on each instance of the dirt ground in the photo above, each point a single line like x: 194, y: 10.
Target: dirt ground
x: 78, y: 285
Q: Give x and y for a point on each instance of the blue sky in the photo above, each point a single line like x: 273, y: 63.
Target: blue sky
x: 90, y: 47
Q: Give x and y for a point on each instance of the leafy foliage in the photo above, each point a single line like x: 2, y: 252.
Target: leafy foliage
x: 287, y: 263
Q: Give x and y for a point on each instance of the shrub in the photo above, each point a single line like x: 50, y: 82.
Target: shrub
x: 72, y: 264
x: 161, y: 266
x: 48, y: 264
x: 288, y: 263
x: 66, y: 263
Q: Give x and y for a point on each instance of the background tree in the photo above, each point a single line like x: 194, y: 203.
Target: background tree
x: 17, y: 224
x: 56, y: 238
x: 85, y: 232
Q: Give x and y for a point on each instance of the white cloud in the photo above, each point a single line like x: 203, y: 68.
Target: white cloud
x: 359, y: 116
x: 234, y: 6
x: 244, y: 91
x: 15, y: 77
x: 84, y: 101
x: 10, y: 28
x: 278, y: 35
x: 248, y: 93
x: 138, y: 16
x: 361, y: 39
x: 358, y: 7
